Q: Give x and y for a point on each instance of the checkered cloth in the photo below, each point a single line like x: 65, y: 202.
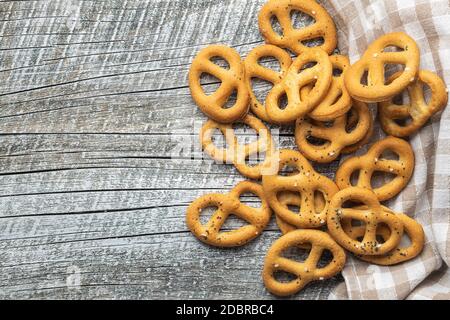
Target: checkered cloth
x: 427, y: 196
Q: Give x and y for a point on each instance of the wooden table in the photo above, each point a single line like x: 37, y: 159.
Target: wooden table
x: 93, y: 103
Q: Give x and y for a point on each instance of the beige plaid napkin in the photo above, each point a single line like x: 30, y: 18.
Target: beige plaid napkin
x: 427, y: 197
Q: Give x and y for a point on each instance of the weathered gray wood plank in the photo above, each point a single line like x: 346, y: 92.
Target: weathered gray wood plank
x: 93, y: 100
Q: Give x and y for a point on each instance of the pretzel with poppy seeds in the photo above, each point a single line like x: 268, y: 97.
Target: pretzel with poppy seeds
x: 372, y: 216
x: 336, y: 136
x: 291, y: 199
x: 337, y: 101
x: 411, y: 228
x: 292, y: 38
x: 238, y: 154
x: 306, y: 271
x: 232, y: 79
x: 228, y: 204
x: 374, y: 61
x: 306, y: 182
x: 301, y: 73
x: 253, y: 69
x: 418, y: 109
x: 371, y: 162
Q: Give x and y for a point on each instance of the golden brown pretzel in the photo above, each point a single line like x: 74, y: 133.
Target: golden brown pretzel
x: 236, y: 153
x: 373, y: 62
x: 418, y: 109
x: 352, y: 120
x: 253, y: 69
x: 291, y: 199
x: 370, y: 162
x: 411, y: 228
x: 292, y: 38
x: 306, y: 271
x: 296, y: 78
x: 372, y: 216
x: 336, y: 136
x: 232, y: 79
x: 337, y: 101
x: 306, y: 182
x: 229, y: 204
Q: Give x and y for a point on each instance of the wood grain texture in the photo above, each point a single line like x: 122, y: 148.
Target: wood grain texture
x: 93, y: 104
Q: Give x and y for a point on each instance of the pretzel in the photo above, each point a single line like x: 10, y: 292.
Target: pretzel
x: 373, y: 62
x: 352, y: 120
x: 306, y: 182
x: 237, y: 154
x: 232, y: 79
x: 229, y: 204
x: 373, y: 215
x: 411, y: 228
x: 292, y: 38
x: 253, y: 69
x: 337, y: 101
x: 418, y: 109
x: 291, y: 199
x: 370, y: 162
x: 336, y: 136
x: 298, y: 76
x: 306, y: 271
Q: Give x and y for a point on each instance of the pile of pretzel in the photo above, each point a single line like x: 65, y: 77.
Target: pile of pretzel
x: 327, y: 101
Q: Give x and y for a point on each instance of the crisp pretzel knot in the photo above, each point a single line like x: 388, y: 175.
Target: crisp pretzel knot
x: 292, y: 199
x: 337, y: 101
x: 229, y: 204
x: 373, y: 62
x: 336, y: 137
x: 292, y: 38
x: 306, y: 182
x: 306, y: 271
x: 238, y: 154
x: 253, y: 69
x: 231, y: 80
x: 418, y: 109
x: 296, y: 78
x: 372, y: 216
x: 411, y: 228
x: 370, y: 162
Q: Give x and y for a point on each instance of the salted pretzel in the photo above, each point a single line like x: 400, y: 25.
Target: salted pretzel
x: 232, y: 79
x: 306, y: 271
x: 336, y: 136
x: 253, y: 69
x: 305, y: 182
x: 238, y: 154
x: 418, y: 109
x: 292, y: 199
x: 370, y: 162
x: 299, y: 75
x: 228, y: 204
x: 292, y: 38
x: 373, y: 62
x: 411, y: 228
x: 373, y: 215
x: 337, y: 101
